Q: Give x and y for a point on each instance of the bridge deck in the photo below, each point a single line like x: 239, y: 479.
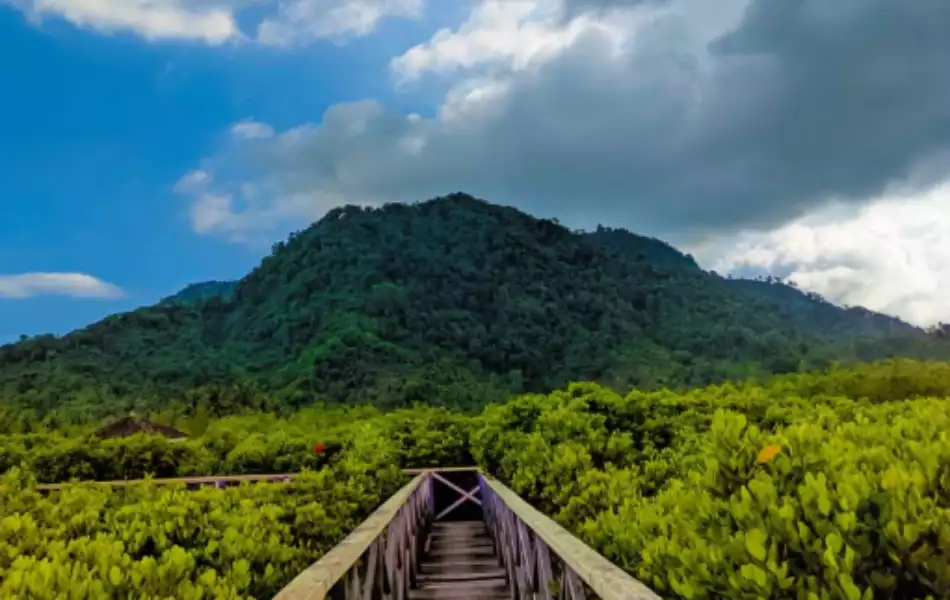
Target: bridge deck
x: 501, y: 548
x: 460, y: 564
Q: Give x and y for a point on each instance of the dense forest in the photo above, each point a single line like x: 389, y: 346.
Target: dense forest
x: 453, y: 302
x: 197, y: 293
x: 832, y: 485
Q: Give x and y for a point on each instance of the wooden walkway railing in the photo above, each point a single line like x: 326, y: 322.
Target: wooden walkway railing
x: 528, y: 541
x: 218, y: 480
x: 541, y: 560
x: 379, y: 559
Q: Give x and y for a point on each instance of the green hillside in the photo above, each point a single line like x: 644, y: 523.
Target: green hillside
x: 453, y: 301
x: 200, y: 292
x: 637, y: 247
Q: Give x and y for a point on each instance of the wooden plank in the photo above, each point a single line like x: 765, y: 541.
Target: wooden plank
x: 211, y: 479
x: 314, y: 583
x: 459, y: 526
x: 198, y: 480
x: 463, y: 551
x: 608, y: 581
x: 464, y: 575
x: 472, y: 585
x: 497, y: 593
x: 452, y: 542
x: 466, y: 565
x: 440, y: 470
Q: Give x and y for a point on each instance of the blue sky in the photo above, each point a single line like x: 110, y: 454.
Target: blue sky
x: 148, y: 144
x: 97, y: 129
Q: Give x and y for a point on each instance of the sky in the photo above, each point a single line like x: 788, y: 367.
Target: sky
x: 148, y: 144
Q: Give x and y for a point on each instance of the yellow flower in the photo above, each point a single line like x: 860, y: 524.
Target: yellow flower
x: 768, y: 454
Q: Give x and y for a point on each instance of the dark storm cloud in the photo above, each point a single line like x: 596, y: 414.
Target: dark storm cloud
x: 684, y: 129
x: 862, y: 91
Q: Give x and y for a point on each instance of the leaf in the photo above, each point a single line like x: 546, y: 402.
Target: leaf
x: 824, y: 504
x: 833, y: 541
x: 755, y: 540
x: 755, y: 573
x: 851, y: 591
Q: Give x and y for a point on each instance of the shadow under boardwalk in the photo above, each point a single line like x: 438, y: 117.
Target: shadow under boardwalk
x: 460, y: 564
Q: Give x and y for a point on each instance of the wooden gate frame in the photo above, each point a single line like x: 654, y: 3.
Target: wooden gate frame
x: 464, y: 496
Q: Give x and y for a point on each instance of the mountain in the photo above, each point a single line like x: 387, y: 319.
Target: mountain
x: 806, y: 310
x: 199, y: 292
x: 451, y: 301
x: 637, y: 247
x: 810, y: 310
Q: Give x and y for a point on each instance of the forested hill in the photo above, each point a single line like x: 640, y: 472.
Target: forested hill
x: 199, y: 292
x: 805, y: 310
x: 454, y: 301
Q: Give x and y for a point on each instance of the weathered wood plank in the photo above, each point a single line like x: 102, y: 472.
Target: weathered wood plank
x: 462, y: 574
x: 453, y: 542
x: 466, y: 564
x: 450, y: 594
x: 471, y: 585
x: 198, y: 480
x: 462, y: 550
x: 211, y: 479
x: 440, y: 470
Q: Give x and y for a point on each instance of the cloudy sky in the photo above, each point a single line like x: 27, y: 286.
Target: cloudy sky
x: 146, y: 144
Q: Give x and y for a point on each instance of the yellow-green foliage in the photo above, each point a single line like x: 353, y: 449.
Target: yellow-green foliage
x: 92, y: 542
x: 808, y: 487
x: 747, y: 491
x: 260, y: 443
x: 168, y: 542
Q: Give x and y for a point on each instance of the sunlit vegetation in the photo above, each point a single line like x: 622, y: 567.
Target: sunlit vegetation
x: 822, y: 485
x: 152, y: 541
x: 834, y: 486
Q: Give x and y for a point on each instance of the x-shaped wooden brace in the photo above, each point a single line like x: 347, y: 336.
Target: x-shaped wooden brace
x: 466, y: 496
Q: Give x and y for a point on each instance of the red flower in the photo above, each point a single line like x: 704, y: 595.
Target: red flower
x: 318, y: 448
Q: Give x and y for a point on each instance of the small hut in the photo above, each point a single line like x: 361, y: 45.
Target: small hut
x: 130, y: 426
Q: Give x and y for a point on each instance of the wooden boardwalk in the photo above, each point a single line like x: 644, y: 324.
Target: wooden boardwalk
x: 460, y: 564
x: 502, y: 549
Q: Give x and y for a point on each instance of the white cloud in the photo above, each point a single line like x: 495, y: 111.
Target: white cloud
x: 151, y: 19
x: 193, y: 181
x: 252, y: 130
x: 250, y: 216
x: 215, y: 22
x: 891, y: 256
x: 299, y: 21
x: 77, y: 285
x: 212, y: 211
x: 246, y: 204
x: 497, y: 31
